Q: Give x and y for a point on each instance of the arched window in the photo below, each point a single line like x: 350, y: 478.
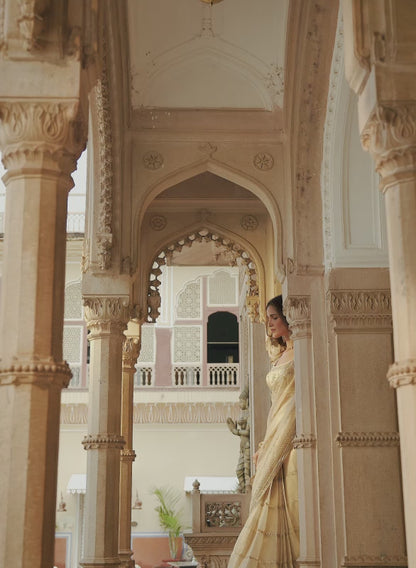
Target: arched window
x: 222, y: 336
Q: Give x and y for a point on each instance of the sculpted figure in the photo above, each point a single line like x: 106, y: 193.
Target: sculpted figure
x: 242, y: 428
x: 270, y: 537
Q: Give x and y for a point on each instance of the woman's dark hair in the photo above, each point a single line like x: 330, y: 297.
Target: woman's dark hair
x: 277, y: 303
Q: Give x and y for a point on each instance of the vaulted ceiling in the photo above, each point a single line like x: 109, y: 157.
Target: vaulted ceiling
x: 189, y: 54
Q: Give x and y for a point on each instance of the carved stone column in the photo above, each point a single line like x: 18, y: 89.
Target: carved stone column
x: 131, y: 350
x: 39, y: 142
x: 390, y: 136
x: 106, y: 318
x: 298, y: 313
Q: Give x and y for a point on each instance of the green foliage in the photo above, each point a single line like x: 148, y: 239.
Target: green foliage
x: 169, y: 517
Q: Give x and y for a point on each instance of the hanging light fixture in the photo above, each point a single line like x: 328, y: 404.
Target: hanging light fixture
x: 211, y: 2
x: 137, y: 503
x: 61, y: 505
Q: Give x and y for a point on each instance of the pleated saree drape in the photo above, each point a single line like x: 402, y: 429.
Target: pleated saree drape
x: 270, y: 537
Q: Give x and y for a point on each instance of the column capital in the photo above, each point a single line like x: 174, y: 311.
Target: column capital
x: 402, y: 373
x: 390, y: 136
x: 104, y: 313
x: 103, y: 441
x: 298, y: 313
x: 35, y: 372
x: 131, y: 351
x: 34, y: 133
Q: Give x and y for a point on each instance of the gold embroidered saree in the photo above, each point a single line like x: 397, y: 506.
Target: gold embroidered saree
x: 270, y: 537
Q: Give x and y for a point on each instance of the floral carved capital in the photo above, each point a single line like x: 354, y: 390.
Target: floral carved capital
x: 103, y: 442
x: 390, y: 137
x: 31, y: 131
x: 106, y: 313
x: 402, y: 373
x: 352, y: 309
x: 131, y: 351
x: 298, y: 313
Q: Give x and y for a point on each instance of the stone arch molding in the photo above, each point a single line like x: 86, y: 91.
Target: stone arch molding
x: 239, y: 256
x: 263, y: 83
x: 231, y: 174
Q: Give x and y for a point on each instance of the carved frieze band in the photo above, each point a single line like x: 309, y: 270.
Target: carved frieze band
x: 369, y: 561
x: 31, y: 129
x: 103, y: 442
x: 131, y: 351
x: 162, y: 413
x: 360, y: 308
x: 402, y: 373
x: 298, y: 313
x: 304, y: 441
x: 195, y: 541
x: 390, y: 136
x: 105, y: 215
x: 39, y: 373
x: 371, y: 439
x: 106, y: 312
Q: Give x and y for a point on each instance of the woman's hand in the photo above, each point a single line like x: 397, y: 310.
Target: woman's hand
x: 255, y: 458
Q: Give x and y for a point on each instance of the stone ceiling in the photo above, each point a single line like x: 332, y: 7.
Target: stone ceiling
x: 188, y: 54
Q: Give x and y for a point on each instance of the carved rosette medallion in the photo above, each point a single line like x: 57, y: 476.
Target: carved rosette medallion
x: 152, y: 160
x: 304, y: 441
x: 103, y: 442
x: 44, y: 374
x: 370, y: 439
x: 158, y: 222
x: 33, y: 131
x: 105, y: 314
x: 263, y: 161
x: 298, y: 313
x: 208, y: 148
x: 249, y: 222
x: 402, y: 373
x: 131, y: 351
x: 354, y: 309
x: 390, y: 137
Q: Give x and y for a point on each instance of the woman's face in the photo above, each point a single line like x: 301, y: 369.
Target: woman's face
x: 275, y: 323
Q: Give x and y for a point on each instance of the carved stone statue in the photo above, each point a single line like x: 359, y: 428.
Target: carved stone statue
x: 242, y: 428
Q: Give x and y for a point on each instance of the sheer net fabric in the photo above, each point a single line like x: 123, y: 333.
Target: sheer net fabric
x: 270, y: 537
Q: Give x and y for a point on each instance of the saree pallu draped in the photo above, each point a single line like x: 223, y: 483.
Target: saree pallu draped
x: 270, y: 536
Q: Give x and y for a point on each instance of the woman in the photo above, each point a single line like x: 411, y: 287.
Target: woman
x: 270, y: 537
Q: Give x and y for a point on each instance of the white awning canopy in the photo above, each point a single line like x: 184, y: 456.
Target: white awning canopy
x: 212, y: 484
x: 77, y: 483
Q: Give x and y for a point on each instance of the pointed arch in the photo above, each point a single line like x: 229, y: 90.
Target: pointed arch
x: 261, y: 191
x: 241, y: 253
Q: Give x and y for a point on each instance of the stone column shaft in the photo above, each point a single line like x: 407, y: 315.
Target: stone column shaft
x: 298, y: 313
x: 390, y: 136
x: 39, y: 152
x: 106, y: 319
x: 131, y: 350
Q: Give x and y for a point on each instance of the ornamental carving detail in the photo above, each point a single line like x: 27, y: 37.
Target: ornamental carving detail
x: 402, y: 373
x: 195, y: 541
x: 298, y: 313
x: 304, y: 441
x: 162, y: 413
x: 105, y: 212
x: 390, y: 137
x: 208, y: 148
x: 373, y: 561
x: 131, y: 351
x: 31, y: 130
x: 222, y: 514
x: 370, y: 439
x: 103, y: 442
x: 101, y: 311
x: 158, y: 222
x: 263, y: 161
x: 127, y: 455
x: 360, y: 308
x: 153, y: 160
x: 238, y: 256
x: 249, y: 222
x: 31, y: 22
x: 45, y: 373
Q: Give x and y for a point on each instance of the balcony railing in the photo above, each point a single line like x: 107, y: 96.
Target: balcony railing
x: 144, y: 376
x: 75, y: 223
x: 186, y: 376
x: 223, y: 374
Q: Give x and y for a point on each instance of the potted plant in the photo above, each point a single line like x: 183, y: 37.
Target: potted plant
x: 169, y: 516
